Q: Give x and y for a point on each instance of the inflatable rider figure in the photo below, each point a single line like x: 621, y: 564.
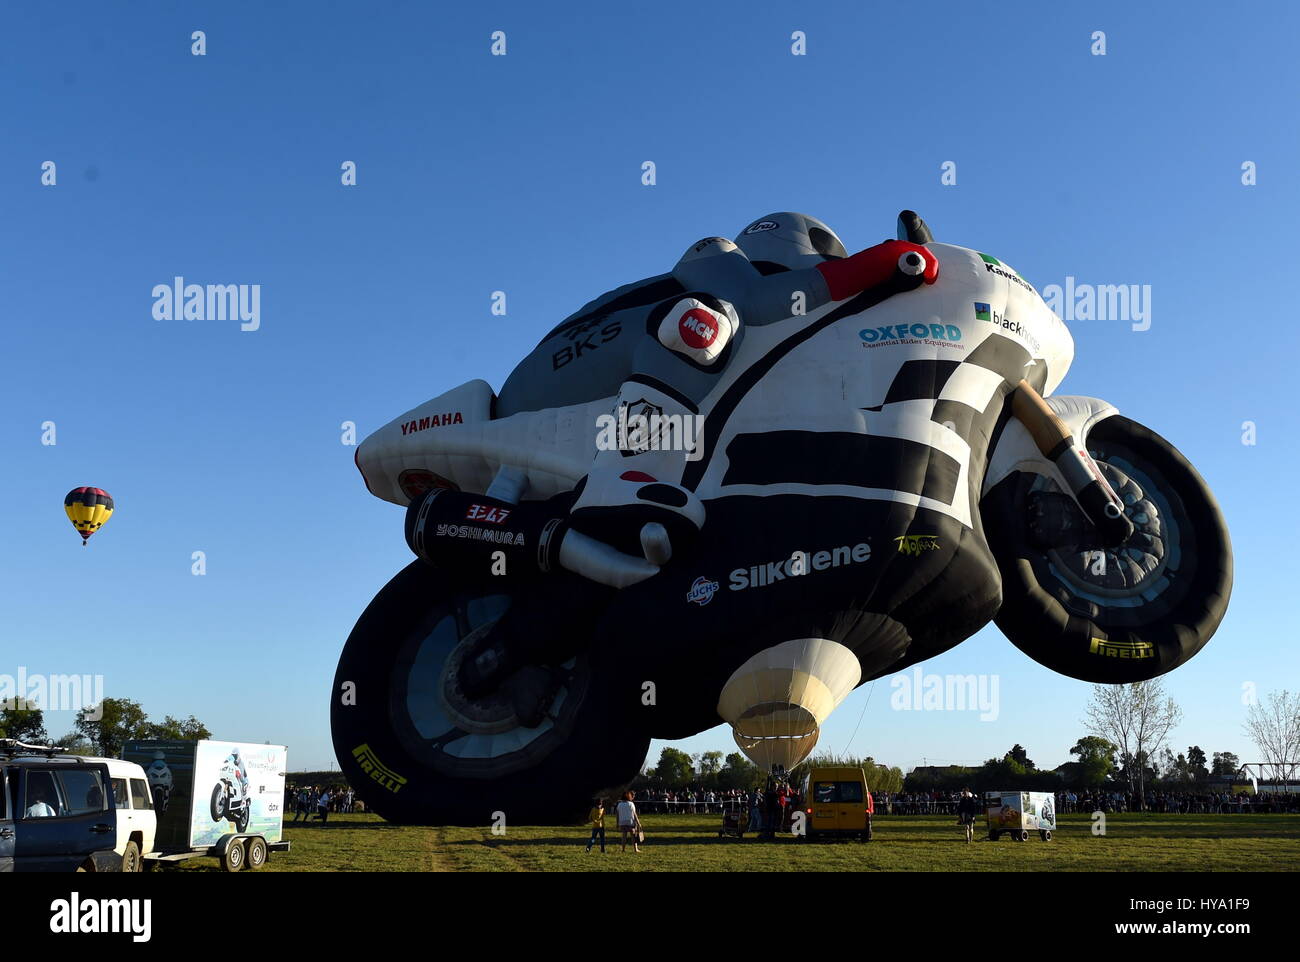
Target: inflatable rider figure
x: 659, y: 345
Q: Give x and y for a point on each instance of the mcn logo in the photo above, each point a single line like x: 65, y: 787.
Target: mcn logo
x: 698, y: 328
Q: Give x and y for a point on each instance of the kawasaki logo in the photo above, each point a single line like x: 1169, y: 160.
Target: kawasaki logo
x: 995, y: 266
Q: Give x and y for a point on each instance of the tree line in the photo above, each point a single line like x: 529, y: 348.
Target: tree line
x: 101, y: 729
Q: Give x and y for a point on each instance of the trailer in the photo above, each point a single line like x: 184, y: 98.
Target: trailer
x: 1016, y: 814
x: 214, y: 799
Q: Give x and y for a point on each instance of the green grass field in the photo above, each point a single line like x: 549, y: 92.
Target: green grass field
x: 686, y: 843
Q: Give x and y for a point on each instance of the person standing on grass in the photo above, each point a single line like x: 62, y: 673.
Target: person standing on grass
x: 629, y: 823
x: 596, y: 818
x: 967, y: 808
x: 323, y: 806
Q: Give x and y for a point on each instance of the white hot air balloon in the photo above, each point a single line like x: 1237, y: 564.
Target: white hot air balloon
x: 777, y: 701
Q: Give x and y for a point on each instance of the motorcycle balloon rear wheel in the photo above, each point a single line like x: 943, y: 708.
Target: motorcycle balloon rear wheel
x: 419, y: 752
x: 1112, y: 615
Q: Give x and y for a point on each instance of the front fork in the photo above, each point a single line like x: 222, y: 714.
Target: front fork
x: 1102, y: 506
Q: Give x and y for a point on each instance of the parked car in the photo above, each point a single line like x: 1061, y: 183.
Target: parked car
x: 57, y: 811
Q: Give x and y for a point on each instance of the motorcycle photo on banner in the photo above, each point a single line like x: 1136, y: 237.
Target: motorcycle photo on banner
x: 736, y: 491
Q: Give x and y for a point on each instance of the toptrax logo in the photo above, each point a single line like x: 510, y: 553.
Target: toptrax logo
x: 943, y: 335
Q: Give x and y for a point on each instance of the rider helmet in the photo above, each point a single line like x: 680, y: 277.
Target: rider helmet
x: 787, y: 241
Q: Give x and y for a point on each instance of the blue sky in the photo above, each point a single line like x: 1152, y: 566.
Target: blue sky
x: 522, y: 173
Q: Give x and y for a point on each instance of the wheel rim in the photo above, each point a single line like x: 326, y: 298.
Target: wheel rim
x: 1139, y: 571
x: 438, y: 725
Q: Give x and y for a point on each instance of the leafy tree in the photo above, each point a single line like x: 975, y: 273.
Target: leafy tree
x: 19, y: 720
x: 110, y: 724
x: 675, y: 767
x: 1225, y: 765
x: 191, y: 729
x: 740, y: 773
x: 1021, y: 757
x: 1196, y: 764
x: 75, y: 744
x: 1096, y: 760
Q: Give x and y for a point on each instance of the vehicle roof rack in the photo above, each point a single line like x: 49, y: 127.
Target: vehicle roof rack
x: 12, y: 746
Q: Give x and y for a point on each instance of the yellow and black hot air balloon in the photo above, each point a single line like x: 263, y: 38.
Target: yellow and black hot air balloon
x: 88, y: 509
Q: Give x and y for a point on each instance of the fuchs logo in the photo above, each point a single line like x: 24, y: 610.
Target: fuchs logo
x: 698, y: 328
x: 488, y: 513
x: 944, y: 335
x: 915, y: 544
x: 701, y: 592
x: 433, y: 421
x: 762, y: 225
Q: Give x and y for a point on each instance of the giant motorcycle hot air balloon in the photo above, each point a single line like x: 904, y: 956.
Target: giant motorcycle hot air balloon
x: 88, y: 509
x: 733, y: 492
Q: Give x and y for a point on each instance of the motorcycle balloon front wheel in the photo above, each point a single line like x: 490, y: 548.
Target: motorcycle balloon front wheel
x: 1112, y: 615
x: 419, y: 751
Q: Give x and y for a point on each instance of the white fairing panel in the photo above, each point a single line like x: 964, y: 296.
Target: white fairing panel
x: 843, y: 378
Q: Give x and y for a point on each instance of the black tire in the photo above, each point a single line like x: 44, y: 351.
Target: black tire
x: 217, y: 808
x: 1107, y: 616
x: 256, y: 852
x: 233, y: 858
x: 398, y: 738
x: 1045, y: 835
x: 131, y: 860
x: 242, y: 820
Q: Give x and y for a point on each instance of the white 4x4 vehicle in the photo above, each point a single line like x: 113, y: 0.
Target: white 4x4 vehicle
x: 137, y: 824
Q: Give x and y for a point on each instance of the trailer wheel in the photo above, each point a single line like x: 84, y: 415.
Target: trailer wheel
x: 1022, y: 836
x: 1045, y: 835
x: 256, y: 853
x: 232, y: 859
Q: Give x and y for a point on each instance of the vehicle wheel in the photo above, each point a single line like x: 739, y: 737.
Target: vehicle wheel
x: 242, y: 820
x: 1107, y: 615
x: 256, y: 853
x: 429, y: 754
x: 994, y: 835
x: 1022, y: 836
x: 131, y: 860
x: 232, y: 859
x: 217, y: 808
x: 1045, y: 835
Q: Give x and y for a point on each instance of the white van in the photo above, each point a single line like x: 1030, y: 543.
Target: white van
x: 137, y: 825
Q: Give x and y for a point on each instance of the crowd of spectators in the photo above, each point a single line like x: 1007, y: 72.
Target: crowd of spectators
x: 308, y: 802
x: 694, y: 800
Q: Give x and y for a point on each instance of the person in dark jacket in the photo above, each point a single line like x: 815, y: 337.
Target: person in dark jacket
x: 967, y: 808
